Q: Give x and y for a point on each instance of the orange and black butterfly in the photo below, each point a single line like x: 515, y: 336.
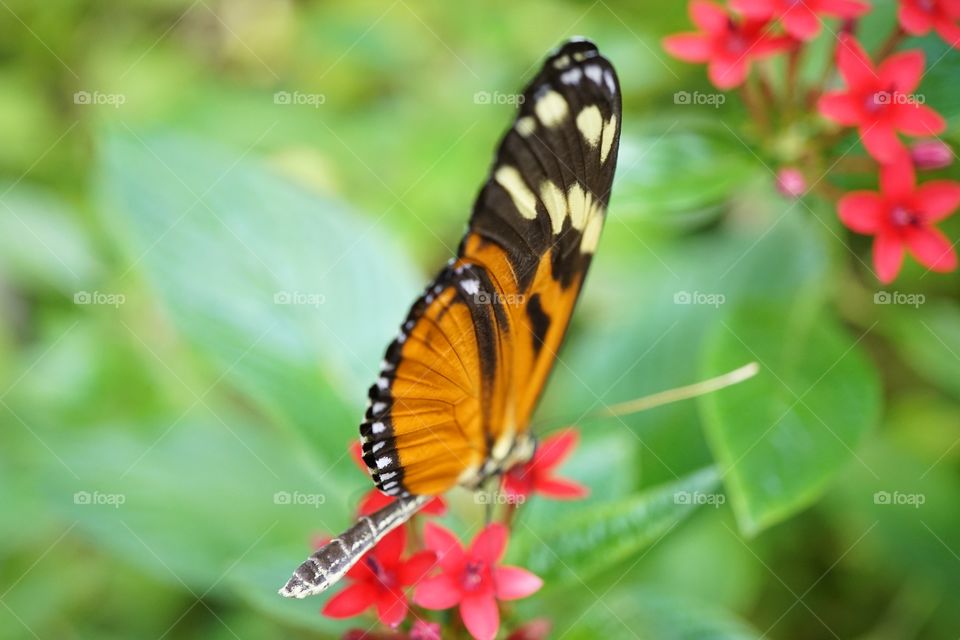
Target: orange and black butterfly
x: 458, y: 385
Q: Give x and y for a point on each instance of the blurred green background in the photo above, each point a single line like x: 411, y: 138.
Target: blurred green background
x: 213, y: 216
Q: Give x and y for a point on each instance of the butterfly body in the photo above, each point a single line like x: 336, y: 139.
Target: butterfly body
x: 459, y: 384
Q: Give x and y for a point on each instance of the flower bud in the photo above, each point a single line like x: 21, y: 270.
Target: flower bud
x: 791, y: 183
x: 931, y: 154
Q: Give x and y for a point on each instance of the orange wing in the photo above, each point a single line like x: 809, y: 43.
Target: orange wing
x: 459, y: 384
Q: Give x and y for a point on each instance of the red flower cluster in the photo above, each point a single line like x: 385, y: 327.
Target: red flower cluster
x: 878, y: 99
x: 445, y: 574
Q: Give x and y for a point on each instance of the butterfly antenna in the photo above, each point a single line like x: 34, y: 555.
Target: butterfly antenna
x: 683, y: 393
x: 331, y: 561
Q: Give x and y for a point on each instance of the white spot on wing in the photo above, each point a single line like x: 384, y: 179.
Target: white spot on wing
x: 526, y: 125
x: 384, y: 462
x: 551, y: 108
x: 378, y: 427
x: 590, y: 124
x: 379, y: 407
x: 509, y: 178
x: 471, y: 287
x: 572, y: 76
x: 594, y: 72
x: 608, y: 78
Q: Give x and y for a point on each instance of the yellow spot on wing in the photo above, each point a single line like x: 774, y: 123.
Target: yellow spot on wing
x: 509, y: 178
x: 591, y: 235
x: 590, y: 124
x: 551, y: 108
x: 607, y: 143
x: 556, y: 204
x: 526, y: 125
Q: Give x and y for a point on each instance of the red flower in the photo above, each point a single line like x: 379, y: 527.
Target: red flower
x: 880, y: 101
x: 800, y: 19
x: 931, y: 154
x: 472, y: 578
x: 376, y: 499
x: 901, y: 216
x: 379, y: 580
x: 727, y: 45
x: 918, y: 17
x: 536, y: 476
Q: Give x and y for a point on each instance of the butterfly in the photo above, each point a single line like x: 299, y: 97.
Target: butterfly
x: 460, y: 382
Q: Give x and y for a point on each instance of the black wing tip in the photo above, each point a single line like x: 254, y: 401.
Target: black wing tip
x: 576, y: 44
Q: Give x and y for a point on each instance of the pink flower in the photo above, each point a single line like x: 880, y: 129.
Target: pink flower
x: 537, y: 629
x: 727, y: 45
x: 918, y: 17
x: 880, y: 100
x: 931, y: 154
x: 901, y: 216
x: 376, y: 499
x: 791, y: 183
x: 800, y: 19
x: 473, y: 579
x: 379, y: 580
x: 537, y: 476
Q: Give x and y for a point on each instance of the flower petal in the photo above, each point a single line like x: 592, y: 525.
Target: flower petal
x: 690, y: 47
x: 757, y: 9
x: 436, y: 507
x: 844, y: 8
x: 356, y: 454
x: 917, y: 119
x: 902, y: 71
x: 391, y: 607
x: 887, y: 257
x: 388, y: 550
x: 861, y: 211
x: 449, y: 552
x: 937, y: 199
x: 438, y: 592
x: 882, y: 143
x: 352, y: 601
x: 416, y: 567
x: 490, y: 543
x: 854, y: 63
x: 514, y: 583
x: 801, y: 22
x: 727, y: 73
x: 708, y: 16
x: 898, y: 179
x: 562, y: 489
x: 914, y: 20
x: 555, y: 448
x: 932, y: 249
x: 949, y: 31
x: 480, y: 616
x: 841, y: 107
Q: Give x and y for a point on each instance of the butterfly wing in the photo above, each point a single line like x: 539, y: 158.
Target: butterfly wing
x: 461, y: 381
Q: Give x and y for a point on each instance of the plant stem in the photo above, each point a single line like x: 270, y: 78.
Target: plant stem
x: 888, y: 47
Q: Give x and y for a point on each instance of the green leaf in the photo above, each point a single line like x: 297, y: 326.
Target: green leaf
x: 595, y: 538
x: 928, y: 338
x: 782, y: 436
x: 631, y: 614
x: 290, y: 295
x: 666, y: 178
